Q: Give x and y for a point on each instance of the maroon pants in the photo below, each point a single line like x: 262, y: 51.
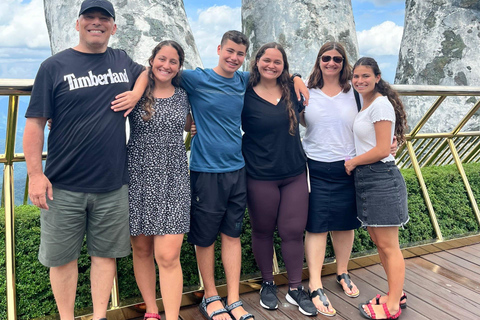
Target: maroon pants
x: 281, y: 204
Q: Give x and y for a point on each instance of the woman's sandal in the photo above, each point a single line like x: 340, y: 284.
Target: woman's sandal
x: 348, y: 282
x: 151, y: 315
x: 203, y: 307
x: 403, y: 305
x: 323, y: 298
x: 372, y: 314
x: 234, y: 305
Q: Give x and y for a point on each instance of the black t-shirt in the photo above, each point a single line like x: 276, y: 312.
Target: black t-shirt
x: 87, y: 142
x: 270, y: 152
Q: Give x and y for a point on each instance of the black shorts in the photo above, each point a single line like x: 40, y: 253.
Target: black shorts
x: 218, y: 205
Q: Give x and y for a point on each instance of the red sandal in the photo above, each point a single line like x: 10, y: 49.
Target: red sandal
x: 372, y: 314
x: 403, y: 305
x: 151, y: 315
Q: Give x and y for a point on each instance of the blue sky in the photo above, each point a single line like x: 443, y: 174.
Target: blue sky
x: 24, y: 40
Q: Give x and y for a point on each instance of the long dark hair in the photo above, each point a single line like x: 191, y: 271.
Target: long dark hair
x: 148, y: 95
x: 283, y: 81
x: 316, y: 77
x: 385, y: 89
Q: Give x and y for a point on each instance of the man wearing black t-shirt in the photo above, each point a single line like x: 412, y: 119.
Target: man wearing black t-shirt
x: 84, y: 188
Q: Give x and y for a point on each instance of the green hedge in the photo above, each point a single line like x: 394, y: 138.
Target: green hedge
x: 34, y: 297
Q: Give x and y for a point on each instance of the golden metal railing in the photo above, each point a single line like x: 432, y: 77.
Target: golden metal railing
x: 420, y: 149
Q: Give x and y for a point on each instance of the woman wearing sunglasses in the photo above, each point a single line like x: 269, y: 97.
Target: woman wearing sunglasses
x: 328, y: 143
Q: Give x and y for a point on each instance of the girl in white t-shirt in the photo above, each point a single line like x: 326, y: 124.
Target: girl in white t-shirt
x: 380, y: 187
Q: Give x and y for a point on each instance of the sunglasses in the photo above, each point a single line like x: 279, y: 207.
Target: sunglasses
x: 336, y: 59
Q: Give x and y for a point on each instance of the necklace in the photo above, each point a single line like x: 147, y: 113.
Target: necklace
x: 269, y: 94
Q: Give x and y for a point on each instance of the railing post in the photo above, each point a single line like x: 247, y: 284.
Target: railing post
x: 115, y: 295
x: 423, y: 186
x: 468, y: 188
x: 9, y: 198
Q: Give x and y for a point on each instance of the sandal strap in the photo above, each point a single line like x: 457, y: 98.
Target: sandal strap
x: 388, y: 314
x: 152, y: 315
x: 372, y: 313
x: 347, y: 280
x: 321, y: 295
x: 377, y: 298
x: 217, y: 312
x: 247, y: 316
x: 212, y: 299
x: 234, y: 305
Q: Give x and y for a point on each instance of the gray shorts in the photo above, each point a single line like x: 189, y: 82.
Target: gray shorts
x: 103, y: 217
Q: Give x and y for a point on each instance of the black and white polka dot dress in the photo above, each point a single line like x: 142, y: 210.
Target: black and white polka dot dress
x: 159, y: 188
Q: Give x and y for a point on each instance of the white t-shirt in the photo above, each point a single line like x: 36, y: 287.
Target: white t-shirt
x: 364, y: 130
x: 329, y: 120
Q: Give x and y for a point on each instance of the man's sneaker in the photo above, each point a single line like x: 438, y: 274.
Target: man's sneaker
x: 268, y: 296
x: 301, y: 299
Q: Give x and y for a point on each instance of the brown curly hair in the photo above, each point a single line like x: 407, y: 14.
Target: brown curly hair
x: 385, y: 89
x: 283, y: 81
x: 148, y: 95
x: 316, y: 77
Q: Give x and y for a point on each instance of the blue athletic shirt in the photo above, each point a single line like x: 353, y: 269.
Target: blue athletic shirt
x: 217, y: 104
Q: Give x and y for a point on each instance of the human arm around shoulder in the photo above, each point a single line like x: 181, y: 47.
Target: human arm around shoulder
x: 128, y: 99
x: 38, y: 186
x: 381, y: 150
x: 300, y: 88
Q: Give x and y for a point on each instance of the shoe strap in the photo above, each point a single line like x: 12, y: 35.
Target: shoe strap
x: 211, y: 299
x: 388, y: 314
x: 347, y: 280
x: 247, y: 316
x: 217, y: 312
x: 321, y: 294
x: 377, y: 298
x: 234, y: 305
x: 372, y: 313
x: 152, y: 315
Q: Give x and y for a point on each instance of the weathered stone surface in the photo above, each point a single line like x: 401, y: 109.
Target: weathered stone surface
x: 301, y: 27
x: 142, y: 24
x: 440, y: 47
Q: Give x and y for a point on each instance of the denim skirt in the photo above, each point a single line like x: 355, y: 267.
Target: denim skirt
x: 381, y: 195
x: 332, y: 204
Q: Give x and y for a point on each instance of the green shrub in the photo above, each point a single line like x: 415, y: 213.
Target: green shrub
x: 35, y: 299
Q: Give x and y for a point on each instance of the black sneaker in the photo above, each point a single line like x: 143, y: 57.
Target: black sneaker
x: 268, y: 296
x: 301, y: 299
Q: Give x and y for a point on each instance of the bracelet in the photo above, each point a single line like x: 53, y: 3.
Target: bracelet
x: 295, y: 75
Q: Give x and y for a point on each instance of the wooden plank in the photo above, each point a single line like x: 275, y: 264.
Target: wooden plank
x: 470, y: 250
x: 463, y: 255
x: 449, y: 285
x: 448, y: 273
x: 436, y: 306
x: 448, y: 261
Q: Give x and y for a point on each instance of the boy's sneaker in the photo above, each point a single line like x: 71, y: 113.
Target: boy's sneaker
x: 268, y: 296
x: 301, y: 299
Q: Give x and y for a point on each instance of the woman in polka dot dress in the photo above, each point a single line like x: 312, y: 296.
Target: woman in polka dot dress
x: 159, y: 189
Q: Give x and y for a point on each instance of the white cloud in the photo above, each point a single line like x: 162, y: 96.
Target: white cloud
x: 383, y: 39
x: 24, y: 42
x: 23, y: 25
x: 208, y: 30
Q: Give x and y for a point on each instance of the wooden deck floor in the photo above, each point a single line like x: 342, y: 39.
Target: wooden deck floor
x: 442, y: 285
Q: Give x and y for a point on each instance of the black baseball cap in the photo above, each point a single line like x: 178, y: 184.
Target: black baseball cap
x: 102, y: 4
